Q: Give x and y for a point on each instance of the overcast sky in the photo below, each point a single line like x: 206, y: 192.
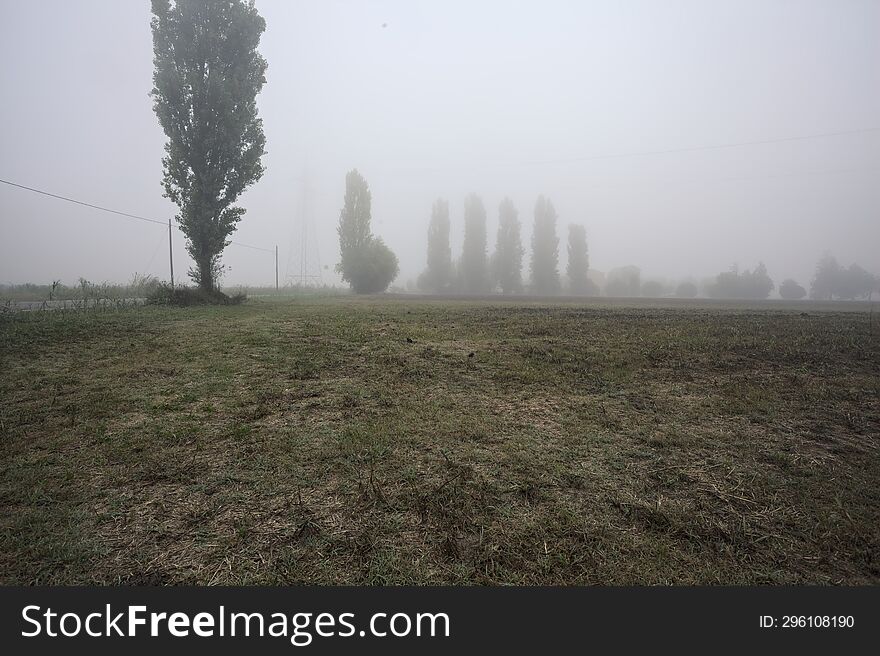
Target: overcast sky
x: 499, y: 98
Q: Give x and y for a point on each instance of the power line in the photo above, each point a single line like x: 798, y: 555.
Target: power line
x: 256, y: 248
x: 870, y: 169
x: 707, y: 147
x: 112, y: 211
x: 79, y: 202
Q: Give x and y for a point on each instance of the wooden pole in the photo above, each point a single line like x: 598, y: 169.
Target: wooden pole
x: 276, y: 267
x: 170, y: 254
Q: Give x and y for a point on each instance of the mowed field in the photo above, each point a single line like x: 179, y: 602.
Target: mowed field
x: 417, y: 441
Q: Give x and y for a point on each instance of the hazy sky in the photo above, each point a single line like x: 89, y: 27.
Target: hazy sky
x: 500, y: 98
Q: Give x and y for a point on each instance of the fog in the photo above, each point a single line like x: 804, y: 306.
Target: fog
x: 609, y: 109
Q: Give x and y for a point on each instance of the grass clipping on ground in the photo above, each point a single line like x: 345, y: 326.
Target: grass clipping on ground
x: 391, y: 442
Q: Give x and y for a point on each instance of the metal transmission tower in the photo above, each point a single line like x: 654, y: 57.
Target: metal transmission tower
x: 304, y: 257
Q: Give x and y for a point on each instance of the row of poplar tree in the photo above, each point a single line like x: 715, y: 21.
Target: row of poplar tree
x: 475, y: 272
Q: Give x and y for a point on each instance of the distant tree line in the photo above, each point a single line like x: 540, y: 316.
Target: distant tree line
x: 369, y: 266
x: 746, y: 284
x: 476, y: 272
x: 832, y: 280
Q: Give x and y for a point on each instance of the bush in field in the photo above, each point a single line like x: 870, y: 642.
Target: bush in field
x: 165, y: 294
x: 789, y: 289
x: 371, y: 267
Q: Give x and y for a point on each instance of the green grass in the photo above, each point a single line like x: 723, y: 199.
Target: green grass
x: 343, y: 440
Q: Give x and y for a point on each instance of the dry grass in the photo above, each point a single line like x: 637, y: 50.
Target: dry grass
x: 359, y: 441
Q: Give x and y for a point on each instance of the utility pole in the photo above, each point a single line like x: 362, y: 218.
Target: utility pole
x: 276, y: 267
x: 170, y: 254
x: 303, y: 266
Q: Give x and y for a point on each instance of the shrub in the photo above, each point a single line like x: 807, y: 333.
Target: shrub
x: 789, y: 289
x: 164, y: 294
x: 371, y: 267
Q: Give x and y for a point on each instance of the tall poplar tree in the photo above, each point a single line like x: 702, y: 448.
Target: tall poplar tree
x: 474, y: 265
x: 438, y: 274
x: 507, y: 259
x: 205, y: 84
x: 578, y: 266
x: 545, y: 249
